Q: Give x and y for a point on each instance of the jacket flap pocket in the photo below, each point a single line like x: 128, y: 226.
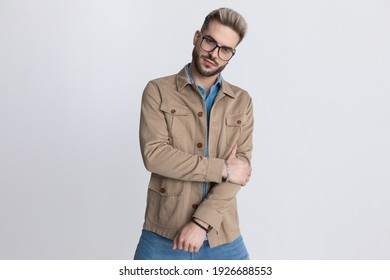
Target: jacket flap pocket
x: 236, y: 120
x: 174, y: 109
x: 166, y: 186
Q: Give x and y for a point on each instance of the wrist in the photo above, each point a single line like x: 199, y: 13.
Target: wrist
x: 226, y: 172
x: 203, y: 225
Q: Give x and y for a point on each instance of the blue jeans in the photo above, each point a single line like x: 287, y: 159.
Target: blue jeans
x: 152, y: 246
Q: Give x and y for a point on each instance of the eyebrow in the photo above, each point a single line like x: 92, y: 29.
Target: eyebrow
x: 211, y: 37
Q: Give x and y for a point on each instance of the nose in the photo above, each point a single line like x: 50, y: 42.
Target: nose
x: 214, y: 52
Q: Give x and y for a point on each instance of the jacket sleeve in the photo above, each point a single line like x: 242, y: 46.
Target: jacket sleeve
x: 219, y: 198
x: 162, y: 158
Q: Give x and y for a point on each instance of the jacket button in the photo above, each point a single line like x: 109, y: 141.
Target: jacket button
x: 195, y: 206
x: 162, y: 190
x: 239, y: 122
x: 173, y: 111
x: 199, y: 145
x: 200, y: 114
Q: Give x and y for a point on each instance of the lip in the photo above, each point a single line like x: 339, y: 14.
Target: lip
x: 208, y: 62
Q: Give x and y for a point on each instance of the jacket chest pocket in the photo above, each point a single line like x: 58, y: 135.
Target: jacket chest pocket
x: 234, y: 124
x: 176, y: 117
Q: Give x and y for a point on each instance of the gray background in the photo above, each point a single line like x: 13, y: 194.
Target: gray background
x: 72, y: 182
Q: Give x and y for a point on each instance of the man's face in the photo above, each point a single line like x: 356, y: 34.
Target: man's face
x: 209, y: 64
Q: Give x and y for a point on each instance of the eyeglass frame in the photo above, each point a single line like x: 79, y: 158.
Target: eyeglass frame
x: 233, y: 51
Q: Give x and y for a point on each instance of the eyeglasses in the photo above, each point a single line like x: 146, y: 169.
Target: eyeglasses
x: 208, y: 44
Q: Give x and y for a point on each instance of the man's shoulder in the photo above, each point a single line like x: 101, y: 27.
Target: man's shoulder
x: 161, y: 84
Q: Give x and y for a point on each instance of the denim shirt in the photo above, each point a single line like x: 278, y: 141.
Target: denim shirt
x: 209, y: 101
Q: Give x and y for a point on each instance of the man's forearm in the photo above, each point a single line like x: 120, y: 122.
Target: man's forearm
x: 167, y: 161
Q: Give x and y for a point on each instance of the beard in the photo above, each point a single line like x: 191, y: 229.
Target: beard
x: 201, y: 69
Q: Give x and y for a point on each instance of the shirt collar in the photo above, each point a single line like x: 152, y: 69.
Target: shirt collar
x: 184, y: 78
x: 217, y: 82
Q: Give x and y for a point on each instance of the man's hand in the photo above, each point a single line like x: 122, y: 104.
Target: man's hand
x: 190, y: 237
x: 240, y: 171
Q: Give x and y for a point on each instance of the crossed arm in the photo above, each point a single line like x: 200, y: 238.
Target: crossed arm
x: 191, y: 236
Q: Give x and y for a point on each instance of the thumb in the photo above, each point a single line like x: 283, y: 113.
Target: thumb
x: 233, y: 152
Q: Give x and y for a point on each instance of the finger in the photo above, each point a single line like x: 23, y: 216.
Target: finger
x: 193, y: 248
x: 180, y: 246
x: 174, y: 244
x: 185, y: 246
x: 178, y: 243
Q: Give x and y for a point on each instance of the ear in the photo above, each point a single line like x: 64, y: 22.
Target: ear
x: 196, y: 37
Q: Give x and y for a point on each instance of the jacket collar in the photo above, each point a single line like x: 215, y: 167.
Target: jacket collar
x: 182, y: 80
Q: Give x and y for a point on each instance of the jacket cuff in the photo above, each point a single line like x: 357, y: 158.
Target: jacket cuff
x: 209, y: 215
x: 215, y: 170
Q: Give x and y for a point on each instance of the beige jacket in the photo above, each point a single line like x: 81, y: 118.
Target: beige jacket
x: 173, y: 131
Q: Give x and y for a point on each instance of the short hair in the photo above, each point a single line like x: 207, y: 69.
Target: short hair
x: 229, y: 18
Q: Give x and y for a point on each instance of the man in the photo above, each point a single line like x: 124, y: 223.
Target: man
x: 196, y: 140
